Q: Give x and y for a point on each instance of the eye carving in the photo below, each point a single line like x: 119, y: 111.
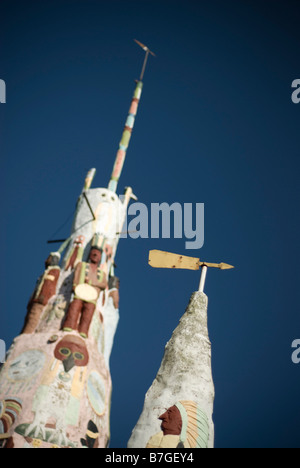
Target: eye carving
x: 78, y: 356
x: 65, y: 352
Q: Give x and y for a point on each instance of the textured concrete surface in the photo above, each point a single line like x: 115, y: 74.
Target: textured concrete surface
x: 185, y: 374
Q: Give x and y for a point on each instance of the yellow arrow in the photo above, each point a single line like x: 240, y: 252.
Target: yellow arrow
x: 221, y: 266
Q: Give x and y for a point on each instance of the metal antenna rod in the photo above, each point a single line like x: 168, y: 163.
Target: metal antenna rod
x: 203, y: 278
x: 144, y: 66
x: 148, y: 51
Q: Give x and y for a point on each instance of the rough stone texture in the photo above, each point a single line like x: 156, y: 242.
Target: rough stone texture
x: 185, y: 374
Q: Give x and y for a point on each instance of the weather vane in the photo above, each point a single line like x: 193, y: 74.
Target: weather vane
x: 160, y: 259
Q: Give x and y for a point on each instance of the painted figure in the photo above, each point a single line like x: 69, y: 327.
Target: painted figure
x: 184, y: 425
x: 57, y: 400
x: 89, y: 281
x: 46, y: 288
x: 76, y: 253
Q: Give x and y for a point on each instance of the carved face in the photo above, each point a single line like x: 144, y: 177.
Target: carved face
x: 95, y: 256
x: 171, y: 421
x: 72, y: 351
x: 79, y: 240
x: 52, y: 260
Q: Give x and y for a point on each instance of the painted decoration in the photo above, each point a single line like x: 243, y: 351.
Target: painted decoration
x: 57, y: 390
x: 125, y: 139
x: 10, y: 409
x: 75, y: 255
x: 184, y: 425
x: 91, y: 437
x: 56, y: 403
x: 55, y: 387
x: 26, y: 366
x: 96, y: 392
x: 61, y: 375
x: 72, y: 351
x: 89, y: 179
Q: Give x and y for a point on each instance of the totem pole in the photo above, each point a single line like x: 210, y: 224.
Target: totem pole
x: 178, y: 406
x: 55, y: 386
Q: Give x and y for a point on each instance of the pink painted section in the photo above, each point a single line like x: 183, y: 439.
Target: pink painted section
x: 57, y: 406
x: 118, y: 164
x: 133, y: 108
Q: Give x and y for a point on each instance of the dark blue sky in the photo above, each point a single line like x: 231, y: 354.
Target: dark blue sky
x: 216, y: 125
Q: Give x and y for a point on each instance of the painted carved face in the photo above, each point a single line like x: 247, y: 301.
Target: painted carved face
x: 171, y: 421
x: 72, y: 351
x: 95, y: 256
x: 79, y: 240
x: 52, y: 260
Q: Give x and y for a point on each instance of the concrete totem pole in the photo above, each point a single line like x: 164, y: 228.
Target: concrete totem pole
x: 178, y: 406
x: 55, y: 387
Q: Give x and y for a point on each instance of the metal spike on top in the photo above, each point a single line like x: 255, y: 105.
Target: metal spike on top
x: 148, y: 51
x: 124, y: 143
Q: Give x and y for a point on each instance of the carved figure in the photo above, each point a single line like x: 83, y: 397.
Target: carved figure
x: 89, y: 281
x: 45, y: 289
x: 76, y: 253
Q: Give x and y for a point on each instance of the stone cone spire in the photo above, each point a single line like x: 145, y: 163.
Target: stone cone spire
x: 184, y: 381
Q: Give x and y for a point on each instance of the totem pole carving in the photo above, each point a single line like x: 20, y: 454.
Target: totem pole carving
x: 76, y: 253
x: 55, y: 386
x: 45, y: 289
x: 89, y: 281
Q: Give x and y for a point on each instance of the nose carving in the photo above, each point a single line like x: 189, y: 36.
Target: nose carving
x: 69, y: 363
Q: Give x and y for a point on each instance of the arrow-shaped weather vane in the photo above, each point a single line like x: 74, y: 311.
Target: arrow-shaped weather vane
x: 160, y: 259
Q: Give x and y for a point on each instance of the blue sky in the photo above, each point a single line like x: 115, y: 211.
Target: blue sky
x: 216, y: 125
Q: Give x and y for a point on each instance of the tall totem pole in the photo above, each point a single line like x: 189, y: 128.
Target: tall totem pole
x: 55, y: 387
